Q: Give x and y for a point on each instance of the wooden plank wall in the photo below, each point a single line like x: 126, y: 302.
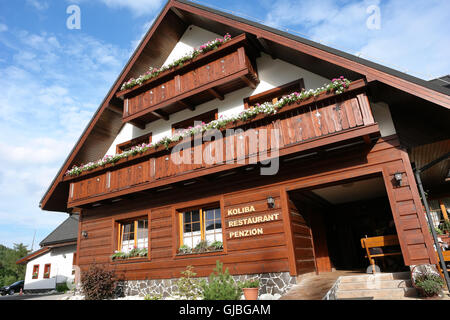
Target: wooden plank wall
x: 255, y: 254
x: 302, y: 241
x: 274, y: 250
x: 408, y: 213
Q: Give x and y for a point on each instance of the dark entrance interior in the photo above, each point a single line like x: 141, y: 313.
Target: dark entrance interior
x: 339, y: 215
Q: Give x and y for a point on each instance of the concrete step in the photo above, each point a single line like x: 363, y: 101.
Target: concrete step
x: 378, y: 276
x: 375, y: 284
x: 379, y: 294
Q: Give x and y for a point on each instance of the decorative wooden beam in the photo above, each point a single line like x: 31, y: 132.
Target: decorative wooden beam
x: 161, y: 114
x: 248, y: 82
x: 185, y: 105
x: 367, y: 139
x: 255, y: 46
x: 216, y: 93
x: 203, y: 179
x: 138, y: 123
x: 266, y: 47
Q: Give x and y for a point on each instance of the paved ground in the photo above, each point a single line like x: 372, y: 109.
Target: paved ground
x: 314, y: 287
x: 58, y: 296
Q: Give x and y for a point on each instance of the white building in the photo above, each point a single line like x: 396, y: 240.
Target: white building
x: 53, y: 262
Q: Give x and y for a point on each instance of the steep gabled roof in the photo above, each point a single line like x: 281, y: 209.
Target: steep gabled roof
x: 172, y: 21
x: 442, y: 82
x: 66, y: 232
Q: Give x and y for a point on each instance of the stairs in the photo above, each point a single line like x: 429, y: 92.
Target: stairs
x: 382, y: 286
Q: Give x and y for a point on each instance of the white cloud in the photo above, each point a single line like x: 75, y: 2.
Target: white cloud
x: 48, y: 93
x: 3, y: 27
x: 39, y: 5
x: 413, y: 36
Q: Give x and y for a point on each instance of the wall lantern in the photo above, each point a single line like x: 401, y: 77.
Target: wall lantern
x: 84, y: 234
x: 398, y: 178
x: 270, y: 202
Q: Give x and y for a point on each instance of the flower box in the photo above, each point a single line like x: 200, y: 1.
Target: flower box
x: 206, y: 77
x: 134, y: 254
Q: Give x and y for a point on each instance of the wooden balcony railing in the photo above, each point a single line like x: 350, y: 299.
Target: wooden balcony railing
x: 316, y: 122
x: 207, y: 77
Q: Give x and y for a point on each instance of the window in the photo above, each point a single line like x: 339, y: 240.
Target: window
x: 274, y: 94
x: 35, y: 271
x: 47, y: 271
x: 127, y: 145
x: 185, y: 124
x: 200, y: 225
x: 133, y: 234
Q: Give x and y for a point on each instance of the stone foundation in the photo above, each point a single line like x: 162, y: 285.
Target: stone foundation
x: 270, y: 283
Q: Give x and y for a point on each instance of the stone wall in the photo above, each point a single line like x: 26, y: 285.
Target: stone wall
x: 270, y: 283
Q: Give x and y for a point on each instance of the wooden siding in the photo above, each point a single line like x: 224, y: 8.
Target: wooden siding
x: 280, y: 248
x: 266, y: 252
x: 303, y: 245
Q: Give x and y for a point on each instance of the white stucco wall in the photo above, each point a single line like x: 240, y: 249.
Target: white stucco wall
x: 382, y: 115
x: 272, y: 73
x: 61, y: 268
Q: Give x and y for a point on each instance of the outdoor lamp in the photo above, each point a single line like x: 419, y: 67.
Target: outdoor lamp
x: 270, y: 202
x: 84, y: 234
x: 398, y: 178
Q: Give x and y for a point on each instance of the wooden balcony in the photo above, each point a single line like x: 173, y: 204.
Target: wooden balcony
x: 207, y: 77
x: 325, y: 120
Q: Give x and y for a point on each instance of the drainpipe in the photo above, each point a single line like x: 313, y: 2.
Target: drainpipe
x: 417, y: 173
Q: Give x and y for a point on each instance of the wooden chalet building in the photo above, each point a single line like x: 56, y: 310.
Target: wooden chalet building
x: 337, y: 154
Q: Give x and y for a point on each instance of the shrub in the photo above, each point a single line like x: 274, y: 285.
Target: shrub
x: 250, y: 284
x: 188, y: 287
x: 98, y: 283
x: 221, y: 285
x: 429, y: 284
x: 62, y: 287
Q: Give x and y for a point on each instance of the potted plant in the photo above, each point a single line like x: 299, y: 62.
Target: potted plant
x: 250, y: 288
x: 428, y: 284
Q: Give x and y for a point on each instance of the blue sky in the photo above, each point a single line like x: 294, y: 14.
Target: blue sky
x: 52, y: 79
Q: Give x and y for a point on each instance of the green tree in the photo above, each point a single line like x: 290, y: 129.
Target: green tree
x: 221, y: 285
x: 9, y: 270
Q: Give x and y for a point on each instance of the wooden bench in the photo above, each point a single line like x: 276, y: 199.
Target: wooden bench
x: 446, y: 255
x: 379, y: 242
